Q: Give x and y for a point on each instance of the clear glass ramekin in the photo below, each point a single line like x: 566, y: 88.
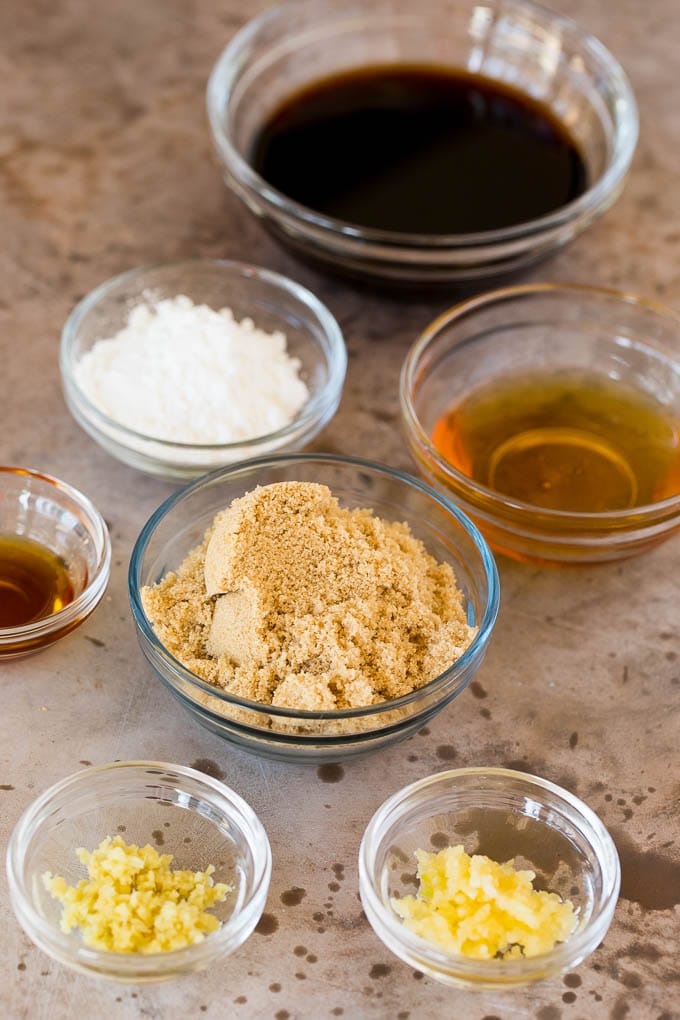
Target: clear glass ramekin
x: 503, y: 814
x: 552, y: 327
x: 179, y: 525
x: 36, y: 506
x: 273, y: 301
x: 186, y: 813
x: 516, y: 42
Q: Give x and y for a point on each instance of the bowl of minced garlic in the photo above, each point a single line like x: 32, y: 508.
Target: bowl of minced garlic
x: 138, y: 871
x: 133, y: 901
x: 488, y: 877
x: 317, y: 602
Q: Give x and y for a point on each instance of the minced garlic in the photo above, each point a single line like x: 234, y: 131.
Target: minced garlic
x: 479, y: 908
x: 133, y: 902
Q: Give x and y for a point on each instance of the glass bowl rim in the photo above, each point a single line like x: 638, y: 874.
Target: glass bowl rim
x: 437, y: 684
x: 139, y: 965
x: 565, y: 954
x: 229, y: 65
x: 96, y: 583
x: 333, y: 350
x: 430, y: 334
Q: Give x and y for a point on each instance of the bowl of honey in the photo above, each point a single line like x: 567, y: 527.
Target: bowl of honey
x: 551, y: 415
x: 437, y: 144
x: 55, y: 558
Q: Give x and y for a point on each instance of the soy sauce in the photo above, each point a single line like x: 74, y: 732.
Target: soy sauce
x: 418, y: 149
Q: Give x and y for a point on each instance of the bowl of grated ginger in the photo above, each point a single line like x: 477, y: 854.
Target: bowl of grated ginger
x: 138, y: 871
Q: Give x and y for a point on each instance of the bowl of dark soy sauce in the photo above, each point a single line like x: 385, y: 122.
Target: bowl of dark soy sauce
x: 449, y: 142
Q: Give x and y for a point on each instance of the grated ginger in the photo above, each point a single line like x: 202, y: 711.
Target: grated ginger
x: 479, y: 908
x: 133, y: 902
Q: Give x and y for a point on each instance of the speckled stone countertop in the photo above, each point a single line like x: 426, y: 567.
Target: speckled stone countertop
x: 105, y: 163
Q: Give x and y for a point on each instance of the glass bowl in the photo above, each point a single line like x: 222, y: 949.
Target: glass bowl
x: 55, y: 515
x: 609, y: 335
x: 503, y: 814
x: 179, y: 525
x: 513, y: 41
x: 192, y: 816
x: 274, y: 303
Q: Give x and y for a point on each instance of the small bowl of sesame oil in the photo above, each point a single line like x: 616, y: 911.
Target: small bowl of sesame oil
x: 55, y: 558
x: 552, y: 415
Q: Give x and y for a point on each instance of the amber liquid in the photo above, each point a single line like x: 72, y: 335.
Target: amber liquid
x: 34, y: 581
x: 565, y: 441
x: 419, y: 149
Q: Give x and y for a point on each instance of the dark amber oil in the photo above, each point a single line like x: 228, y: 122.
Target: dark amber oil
x: 419, y: 149
x: 34, y: 581
x: 566, y: 441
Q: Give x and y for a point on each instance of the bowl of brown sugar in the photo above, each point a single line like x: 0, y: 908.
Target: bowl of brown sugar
x: 312, y: 606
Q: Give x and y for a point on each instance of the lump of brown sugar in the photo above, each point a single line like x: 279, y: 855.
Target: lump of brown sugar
x: 294, y: 601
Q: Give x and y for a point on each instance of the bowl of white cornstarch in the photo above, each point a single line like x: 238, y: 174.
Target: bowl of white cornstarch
x: 181, y: 368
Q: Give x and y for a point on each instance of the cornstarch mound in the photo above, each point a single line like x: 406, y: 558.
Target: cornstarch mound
x: 186, y: 373
x: 294, y: 601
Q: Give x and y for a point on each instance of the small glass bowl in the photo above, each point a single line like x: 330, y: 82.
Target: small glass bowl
x: 515, y: 42
x: 179, y: 525
x: 553, y: 327
x: 197, y: 819
x: 503, y: 814
x: 57, y: 516
x: 273, y: 302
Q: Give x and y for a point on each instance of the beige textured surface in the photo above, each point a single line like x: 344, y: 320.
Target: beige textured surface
x: 105, y: 164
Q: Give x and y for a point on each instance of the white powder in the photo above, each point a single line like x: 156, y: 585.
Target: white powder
x: 186, y: 373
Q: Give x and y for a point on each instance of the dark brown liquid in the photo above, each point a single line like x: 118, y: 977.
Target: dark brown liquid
x: 34, y: 581
x: 419, y: 150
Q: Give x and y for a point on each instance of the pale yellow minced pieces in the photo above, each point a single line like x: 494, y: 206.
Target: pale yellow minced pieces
x: 479, y: 908
x: 294, y: 601
x: 133, y: 902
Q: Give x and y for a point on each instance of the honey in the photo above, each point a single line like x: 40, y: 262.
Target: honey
x: 34, y: 581
x: 569, y: 441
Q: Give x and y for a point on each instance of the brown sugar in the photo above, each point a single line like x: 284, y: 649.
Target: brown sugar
x: 294, y: 601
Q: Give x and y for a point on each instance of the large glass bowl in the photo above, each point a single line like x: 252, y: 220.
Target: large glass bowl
x: 274, y: 302
x: 554, y: 328
x: 179, y: 525
x: 505, y: 815
x: 515, y: 42
x: 194, y: 817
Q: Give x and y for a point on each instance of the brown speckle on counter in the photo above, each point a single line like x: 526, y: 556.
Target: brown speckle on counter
x: 379, y: 970
x: 330, y: 773
x: 267, y: 925
x: 293, y: 897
